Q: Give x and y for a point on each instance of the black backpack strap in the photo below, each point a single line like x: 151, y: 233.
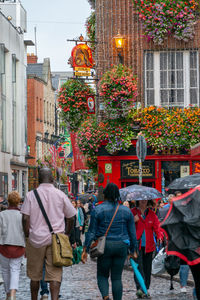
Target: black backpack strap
x: 43, y: 210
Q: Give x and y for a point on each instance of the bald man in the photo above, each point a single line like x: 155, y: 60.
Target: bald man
x: 38, y: 248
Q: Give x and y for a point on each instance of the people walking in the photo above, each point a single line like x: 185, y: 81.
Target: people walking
x: 120, y: 237
x: 78, y: 225
x: 38, y: 247
x: 12, y: 245
x: 183, y: 274
x: 147, y: 224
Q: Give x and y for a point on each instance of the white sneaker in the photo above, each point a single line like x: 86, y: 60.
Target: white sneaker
x: 183, y: 289
x: 44, y: 297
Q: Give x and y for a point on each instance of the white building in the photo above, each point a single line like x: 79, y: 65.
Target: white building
x: 13, y: 99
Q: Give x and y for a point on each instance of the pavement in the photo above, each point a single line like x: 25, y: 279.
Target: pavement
x: 79, y: 283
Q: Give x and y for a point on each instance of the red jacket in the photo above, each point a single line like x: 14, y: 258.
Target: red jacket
x: 150, y: 224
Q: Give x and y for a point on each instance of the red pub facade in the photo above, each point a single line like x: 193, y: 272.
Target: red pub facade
x: 158, y: 169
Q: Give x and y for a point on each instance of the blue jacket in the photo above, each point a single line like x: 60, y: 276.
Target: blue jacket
x: 122, y: 228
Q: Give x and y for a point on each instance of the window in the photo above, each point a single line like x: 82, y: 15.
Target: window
x: 15, y: 180
x: 3, y: 186
x: 38, y: 146
x: 171, y: 78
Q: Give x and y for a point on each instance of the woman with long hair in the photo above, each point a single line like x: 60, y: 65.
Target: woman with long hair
x: 120, y: 237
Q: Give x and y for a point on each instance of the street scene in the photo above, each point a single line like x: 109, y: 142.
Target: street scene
x: 100, y: 149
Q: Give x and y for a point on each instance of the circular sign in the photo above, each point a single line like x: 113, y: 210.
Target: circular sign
x: 90, y: 103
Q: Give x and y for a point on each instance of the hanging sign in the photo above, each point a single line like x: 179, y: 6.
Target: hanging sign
x: 82, y: 58
x: 91, y: 104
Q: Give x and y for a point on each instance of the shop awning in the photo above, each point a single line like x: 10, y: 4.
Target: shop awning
x: 195, y: 150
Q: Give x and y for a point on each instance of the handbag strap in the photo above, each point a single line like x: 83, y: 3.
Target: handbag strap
x: 43, y: 211
x: 112, y: 220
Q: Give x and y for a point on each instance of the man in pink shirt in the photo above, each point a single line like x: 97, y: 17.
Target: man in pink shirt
x: 38, y: 248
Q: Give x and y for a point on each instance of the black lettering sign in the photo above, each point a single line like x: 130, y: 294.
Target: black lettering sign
x: 130, y: 169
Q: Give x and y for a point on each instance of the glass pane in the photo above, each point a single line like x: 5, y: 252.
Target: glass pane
x: 149, y: 61
x: 193, y: 96
x: 171, y: 79
x: 171, y: 60
x: 163, y: 61
x: 179, y: 79
x: 179, y: 60
x: 193, y: 60
x: 149, y: 79
x: 150, y: 97
x: 180, y: 96
x: 163, y: 79
x: 193, y: 78
x: 172, y: 96
x: 164, y: 96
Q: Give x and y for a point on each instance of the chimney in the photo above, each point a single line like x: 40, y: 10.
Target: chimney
x: 31, y: 58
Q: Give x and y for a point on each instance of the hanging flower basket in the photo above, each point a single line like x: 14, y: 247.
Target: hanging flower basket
x: 72, y: 99
x: 118, y: 89
x: 167, y: 17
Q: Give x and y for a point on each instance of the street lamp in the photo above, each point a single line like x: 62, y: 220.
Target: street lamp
x: 119, y: 44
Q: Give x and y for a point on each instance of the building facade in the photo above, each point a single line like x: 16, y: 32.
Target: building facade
x: 168, y: 76
x: 13, y: 100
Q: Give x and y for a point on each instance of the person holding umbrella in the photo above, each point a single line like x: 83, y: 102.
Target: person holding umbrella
x: 147, y: 224
x: 182, y: 227
x: 119, y: 238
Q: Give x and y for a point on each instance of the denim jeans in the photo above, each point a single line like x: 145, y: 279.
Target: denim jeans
x: 112, y: 262
x: 183, y: 273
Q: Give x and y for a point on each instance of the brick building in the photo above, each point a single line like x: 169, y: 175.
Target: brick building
x: 168, y: 75
x: 150, y: 62
x: 41, y: 112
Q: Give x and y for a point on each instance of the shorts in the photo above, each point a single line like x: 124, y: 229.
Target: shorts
x: 36, y: 257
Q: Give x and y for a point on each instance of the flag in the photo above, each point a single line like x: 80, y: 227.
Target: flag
x: 53, y: 152
x: 79, y: 162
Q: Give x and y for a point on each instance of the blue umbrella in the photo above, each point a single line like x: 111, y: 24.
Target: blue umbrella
x: 139, y: 192
x: 138, y: 275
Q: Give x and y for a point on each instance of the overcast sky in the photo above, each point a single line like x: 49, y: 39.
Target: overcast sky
x: 55, y: 22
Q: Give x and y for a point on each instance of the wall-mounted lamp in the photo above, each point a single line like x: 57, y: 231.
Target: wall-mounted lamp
x: 119, y: 44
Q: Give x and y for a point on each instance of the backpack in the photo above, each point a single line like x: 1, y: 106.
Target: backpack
x: 172, y: 266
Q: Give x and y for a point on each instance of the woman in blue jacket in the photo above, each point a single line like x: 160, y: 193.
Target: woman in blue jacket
x: 121, y: 236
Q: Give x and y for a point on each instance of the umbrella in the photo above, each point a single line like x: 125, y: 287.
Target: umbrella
x: 185, y: 183
x: 139, y: 192
x: 138, y: 275
x: 182, y: 226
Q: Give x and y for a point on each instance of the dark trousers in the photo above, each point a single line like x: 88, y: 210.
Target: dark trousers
x: 144, y: 261
x: 196, y: 275
x: 111, y: 262
x: 78, y: 236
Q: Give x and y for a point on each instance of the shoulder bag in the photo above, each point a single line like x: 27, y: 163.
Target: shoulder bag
x: 61, y: 248
x: 97, y: 247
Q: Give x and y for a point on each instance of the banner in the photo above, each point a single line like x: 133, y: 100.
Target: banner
x: 79, y: 162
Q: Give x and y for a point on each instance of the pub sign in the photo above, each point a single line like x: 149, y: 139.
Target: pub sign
x: 130, y: 169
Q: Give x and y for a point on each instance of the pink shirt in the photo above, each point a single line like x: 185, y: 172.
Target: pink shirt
x: 56, y: 205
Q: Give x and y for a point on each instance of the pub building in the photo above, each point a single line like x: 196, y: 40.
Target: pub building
x: 158, y: 170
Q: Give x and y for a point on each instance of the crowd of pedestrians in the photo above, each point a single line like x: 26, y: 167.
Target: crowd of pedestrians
x: 132, y: 230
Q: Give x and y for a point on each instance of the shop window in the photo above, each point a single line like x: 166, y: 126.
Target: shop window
x: 171, y: 78
x: 172, y: 170
x: 3, y: 186
x: 15, y: 180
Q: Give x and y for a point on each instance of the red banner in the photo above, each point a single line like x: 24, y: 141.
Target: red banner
x: 79, y: 160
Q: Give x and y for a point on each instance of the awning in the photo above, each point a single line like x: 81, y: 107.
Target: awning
x: 195, y: 150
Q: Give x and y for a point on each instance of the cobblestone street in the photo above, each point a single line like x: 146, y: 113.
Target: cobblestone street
x: 79, y: 283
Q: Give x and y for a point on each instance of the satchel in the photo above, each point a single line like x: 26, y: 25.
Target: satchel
x: 97, y: 247
x: 61, y: 248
